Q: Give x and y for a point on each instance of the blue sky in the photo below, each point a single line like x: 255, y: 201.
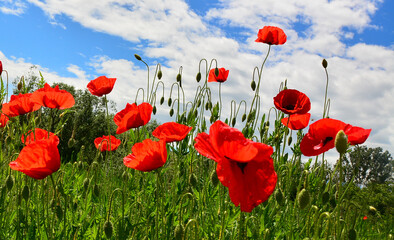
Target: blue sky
x: 75, y: 41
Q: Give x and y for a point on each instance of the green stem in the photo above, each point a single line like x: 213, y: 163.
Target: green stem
x: 242, y: 230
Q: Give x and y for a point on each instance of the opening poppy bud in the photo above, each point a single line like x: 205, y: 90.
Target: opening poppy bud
x: 178, y: 77
x: 214, y: 178
x: 96, y: 190
x: 289, y: 141
x: 303, y: 199
x: 193, y: 180
x: 154, y: 110
x: 171, y: 112
x: 352, y: 234
x: 279, y: 196
x: 341, y: 142
x: 216, y: 72
x: 253, y: 85
x: 178, y: 232
x: 244, y: 117
x: 26, y: 192
x: 325, y: 197
x: 198, y: 77
x: 169, y: 102
x: 137, y: 57
x: 161, y: 100
x: 324, y: 63
x: 86, y: 183
x: 159, y: 75
x: 233, y: 122
x: 9, y: 182
x: 108, y: 229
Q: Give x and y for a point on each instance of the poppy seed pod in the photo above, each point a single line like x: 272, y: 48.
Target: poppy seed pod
x: 198, y: 77
x: 341, y: 142
x: 303, y: 199
x: 108, y: 229
x: 324, y: 63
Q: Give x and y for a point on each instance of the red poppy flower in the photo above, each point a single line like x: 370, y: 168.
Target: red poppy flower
x: 3, y: 120
x: 53, y: 97
x: 38, y: 159
x: 365, y: 218
x: 271, y: 35
x: 321, y: 136
x: 292, y: 101
x: 37, y: 134
x: 101, y: 85
x: 133, y: 116
x: 297, y: 121
x: 244, y: 167
x: 1, y: 67
x: 222, y: 77
x: 19, y: 105
x: 147, y: 155
x: 102, y: 143
x: 171, y: 132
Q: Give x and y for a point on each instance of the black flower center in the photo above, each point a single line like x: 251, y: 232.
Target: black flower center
x: 325, y: 141
x: 290, y: 107
x: 241, y: 166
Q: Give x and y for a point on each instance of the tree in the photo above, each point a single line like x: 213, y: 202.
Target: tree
x: 368, y: 165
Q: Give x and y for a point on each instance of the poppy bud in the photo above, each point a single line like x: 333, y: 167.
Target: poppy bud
x: 199, y: 103
x: 19, y: 86
x: 195, y: 113
x: 216, y: 72
x: 96, y: 190
x: 71, y: 142
x: 209, y: 105
x: 198, y: 77
x: 233, y: 122
x: 86, y: 183
x: 214, y: 178
x: 178, y: 77
x: 108, y: 229
x: 26, y: 192
x: 352, y: 234
x: 289, y: 140
x: 324, y: 63
x: 279, y: 196
x: 325, y: 197
x: 193, y: 180
x: 178, y: 232
x: 161, y: 100
x: 171, y: 112
x: 137, y: 57
x: 206, y: 106
x: 341, y: 142
x: 154, y: 110
x: 9, y: 182
x: 159, y: 75
x: 59, y: 212
x: 1, y: 67
x: 253, y: 85
x: 267, y: 123
x: 244, y: 117
x: 303, y: 199
x: 211, y: 119
x: 125, y: 176
x: 169, y: 102
x: 226, y: 121
x: 333, y: 202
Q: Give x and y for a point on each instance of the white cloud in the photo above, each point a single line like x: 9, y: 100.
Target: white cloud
x: 361, y: 86
x: 14, y: 7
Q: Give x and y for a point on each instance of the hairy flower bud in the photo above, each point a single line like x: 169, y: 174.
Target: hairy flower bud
x: 161, y: 100
x: 178, y: 232
x: 233, y: 122
x: 171, y: 112
x: 137, y: 57
x: 26, y: 192
x: 198, y: 77
x: 324, y: 63
x: 108, y: 229
x: 341, y: 142
x: 154, y: 110
x: 303, y: 199
x: 253, y: 85
x: 159, y: 75
x: 244, y: 117
x: 214, y: 178
x: 279, y: 196
x: 9, y: 182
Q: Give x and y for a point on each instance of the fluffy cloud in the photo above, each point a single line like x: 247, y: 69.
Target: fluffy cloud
x: 360, y: 87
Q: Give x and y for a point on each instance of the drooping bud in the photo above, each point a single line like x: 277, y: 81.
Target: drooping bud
x: 341, y: 142
x: 324, y: 63
x: 244, y: 117
x: 253, y: 85
x: 303, y: 198
x: 9, y: 182
x: 279, y: 196
x: 233, y: 122
x: 71, y: 142
x: 198, y: 77
x: 161, y: 100
x: 214, y: 178
x: 199, y: 103
x: 179, y: 77
x: 108, y: 229
x: 193, y: 180
x: 19, y: 86
x: 171, y: 112
x: 216, y: 72
x: 159, y: 75
x: 26, y: 192
x: 169, y: 101
x: 137, y: 57
x: 178, y: 232
x: 352, y: 234
x: 289, y: 140
x: 154, y: 110
x: 325, y: 197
